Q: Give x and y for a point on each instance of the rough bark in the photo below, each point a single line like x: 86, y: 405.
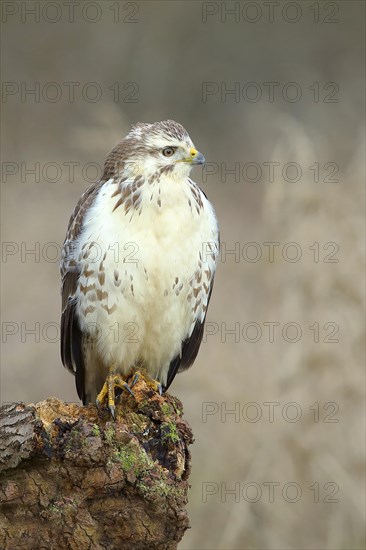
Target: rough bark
x: 72, y: 478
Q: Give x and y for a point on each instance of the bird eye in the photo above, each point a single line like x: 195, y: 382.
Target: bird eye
x: 169, y: 151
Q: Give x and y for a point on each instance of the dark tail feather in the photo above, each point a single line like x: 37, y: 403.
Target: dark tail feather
x: 72, y: 347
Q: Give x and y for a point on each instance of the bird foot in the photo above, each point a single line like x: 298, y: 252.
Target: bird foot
x: 107, y: 393
x: 154, y: 384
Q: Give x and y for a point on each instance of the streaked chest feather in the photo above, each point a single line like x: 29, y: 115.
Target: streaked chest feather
x: 146, y: 251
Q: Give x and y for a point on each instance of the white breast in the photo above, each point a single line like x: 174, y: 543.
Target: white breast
x: 139, y: 273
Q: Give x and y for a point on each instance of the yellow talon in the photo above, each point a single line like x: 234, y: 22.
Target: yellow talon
x: 107, y: 392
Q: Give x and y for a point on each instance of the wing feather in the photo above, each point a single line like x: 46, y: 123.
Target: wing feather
x: 71, y: 336
x: 190, y: 348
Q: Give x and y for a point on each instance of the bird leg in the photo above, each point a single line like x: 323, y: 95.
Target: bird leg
x: 107, y: 393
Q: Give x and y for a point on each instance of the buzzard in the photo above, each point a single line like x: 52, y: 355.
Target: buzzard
x: 138, y: 266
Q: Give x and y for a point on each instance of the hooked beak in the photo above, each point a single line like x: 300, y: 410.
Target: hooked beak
x: 196, y: 157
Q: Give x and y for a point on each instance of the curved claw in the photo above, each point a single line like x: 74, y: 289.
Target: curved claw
x: 112, y: 410
x: 135, y: 379
x: 107, y: 392
x: 128, y: 388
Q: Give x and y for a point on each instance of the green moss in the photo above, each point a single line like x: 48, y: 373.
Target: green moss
x: 109, y: 435
x: 166, y: 409
x: 169, y: 432
x: 126, y: 458
x: 131, y: 457
x: 141, y: 470
x: 95, y: 430
x: 159, y: 488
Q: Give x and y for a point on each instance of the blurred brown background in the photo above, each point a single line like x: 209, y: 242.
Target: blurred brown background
x: 292, y: 453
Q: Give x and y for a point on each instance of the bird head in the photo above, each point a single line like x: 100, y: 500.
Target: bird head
x: 155, y: 149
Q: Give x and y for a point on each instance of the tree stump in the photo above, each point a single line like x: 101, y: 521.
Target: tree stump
x: 72, y: 478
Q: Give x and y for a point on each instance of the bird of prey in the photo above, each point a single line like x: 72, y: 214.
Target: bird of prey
x: 138, y: 266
